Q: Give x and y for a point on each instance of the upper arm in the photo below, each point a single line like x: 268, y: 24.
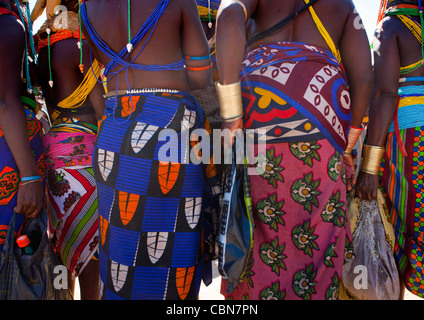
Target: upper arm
x: 386, y: 59
x: 355, y: 48
x: 195, y: 44
x: 231, y: 38
x: 193, y: 37
x: 11, y: 54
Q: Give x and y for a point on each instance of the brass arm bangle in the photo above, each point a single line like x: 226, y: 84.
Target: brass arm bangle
x: 372, y: 159
x: 230, y: 104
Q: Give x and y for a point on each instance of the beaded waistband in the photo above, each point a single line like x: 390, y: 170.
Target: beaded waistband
x: 114, y: 93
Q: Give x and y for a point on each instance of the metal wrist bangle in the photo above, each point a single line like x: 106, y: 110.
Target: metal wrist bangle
x: 372, y: 159
x: 230, y: 103
x: 233, y: 118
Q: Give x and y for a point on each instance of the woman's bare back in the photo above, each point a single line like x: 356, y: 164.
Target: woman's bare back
x: 178, y: 32
x: 333, y: 14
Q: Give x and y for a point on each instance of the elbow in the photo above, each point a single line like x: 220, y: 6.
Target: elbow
x: 200, y: 81
x: 385, y: 93
x: 360, y: 83
x: 384, y: 101
x: 199, y: 85
x: 9, y: 103
x: 386, y: 88
x: 3, y: 105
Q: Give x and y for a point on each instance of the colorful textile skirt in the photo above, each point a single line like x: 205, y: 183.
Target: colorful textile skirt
x: 301, y: 235
x: 402, y: 183
x: 295, y: 92
x: 72, y: 124
x: 10, y: 177
x: 153, y: 199
x: 295, y: 97
x: 73, y: 207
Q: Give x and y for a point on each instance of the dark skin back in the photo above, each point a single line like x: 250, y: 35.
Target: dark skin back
x: 340, y: 20
x: 394, y: 47
x: 65, y: 59
x: 178, y: 33
x: 334, y: 15
x: 13, y: 121
x: 338, y: 17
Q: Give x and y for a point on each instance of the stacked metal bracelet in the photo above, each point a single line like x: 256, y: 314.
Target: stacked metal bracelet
x: 354, y: 134
x: 230, y: 103
x: 28, y: 180
x: 372, y: 159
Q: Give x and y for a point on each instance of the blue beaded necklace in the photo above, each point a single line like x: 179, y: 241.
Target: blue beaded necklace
x: 119, y: 59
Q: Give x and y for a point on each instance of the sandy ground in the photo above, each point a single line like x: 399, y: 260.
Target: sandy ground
x: 212, y: 292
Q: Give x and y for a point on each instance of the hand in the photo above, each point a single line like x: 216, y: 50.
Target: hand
x: 30, y: 199
x: 350, y: 171
x: 367, y: 186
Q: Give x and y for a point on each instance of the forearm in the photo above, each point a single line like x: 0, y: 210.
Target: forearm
x: 360, y: 101
x: 382, y: 111
x: 13, y: 124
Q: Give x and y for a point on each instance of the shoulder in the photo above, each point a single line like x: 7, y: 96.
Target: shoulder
x: 12, y: 31
x: 340, y: 6
x: 186, y: 5
x: 337, y: 11
x: 347, y: 4
x: 390, y: 27
x: 187, y: 8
